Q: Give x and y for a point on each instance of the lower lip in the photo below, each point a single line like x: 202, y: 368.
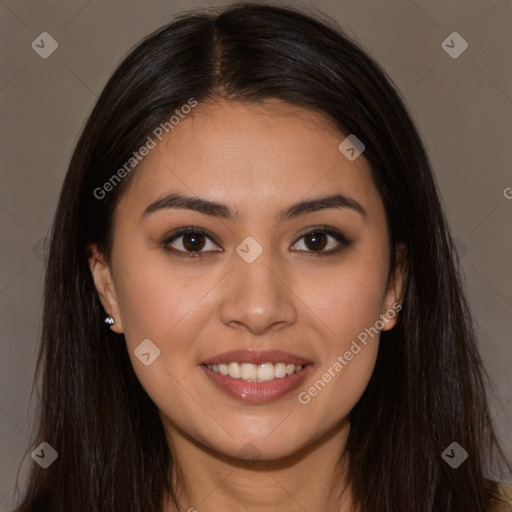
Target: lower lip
x: 258, y: 391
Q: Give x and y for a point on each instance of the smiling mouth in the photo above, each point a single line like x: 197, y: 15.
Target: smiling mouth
x: 248, y: 372
x: 257, y: 376
x: 279, y: 379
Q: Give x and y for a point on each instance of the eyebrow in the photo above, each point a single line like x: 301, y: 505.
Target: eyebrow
x: 223, y: 211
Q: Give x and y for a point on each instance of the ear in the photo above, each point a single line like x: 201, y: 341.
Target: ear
x: 104, y: 283
x: 394, y: 296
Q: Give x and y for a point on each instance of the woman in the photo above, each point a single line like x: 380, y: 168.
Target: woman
x: 252, y: 297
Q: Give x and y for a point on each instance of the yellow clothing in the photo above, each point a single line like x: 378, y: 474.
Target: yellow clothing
x: 505, y: 504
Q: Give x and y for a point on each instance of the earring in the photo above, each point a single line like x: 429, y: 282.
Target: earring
x: 109, y: 320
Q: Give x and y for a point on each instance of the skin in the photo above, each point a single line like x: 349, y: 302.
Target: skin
x: 257, y: 159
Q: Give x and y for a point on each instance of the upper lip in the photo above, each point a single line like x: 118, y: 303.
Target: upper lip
x: 253, y: 356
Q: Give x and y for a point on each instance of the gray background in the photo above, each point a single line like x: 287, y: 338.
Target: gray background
x: 462, y: 107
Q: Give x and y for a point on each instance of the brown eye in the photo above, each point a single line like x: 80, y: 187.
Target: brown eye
x: 315, y: 240
x: 193, y: 241
x: 318, y: 239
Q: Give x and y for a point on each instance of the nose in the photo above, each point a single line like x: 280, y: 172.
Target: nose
x: 257, y: 297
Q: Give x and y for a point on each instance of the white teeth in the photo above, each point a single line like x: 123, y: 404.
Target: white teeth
x: 248, y: 371
x: 280, y: 370
x: 266, y: 371
x: 255, y: 373
x: 233, y: 370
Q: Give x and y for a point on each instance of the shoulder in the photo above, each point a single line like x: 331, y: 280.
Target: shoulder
x: 505, y: 498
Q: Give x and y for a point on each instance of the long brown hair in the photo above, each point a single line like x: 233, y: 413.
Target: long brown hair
x: 429, y: 386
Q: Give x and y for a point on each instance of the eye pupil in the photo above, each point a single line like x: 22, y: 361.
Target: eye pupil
x: 193, y: 241
x: 318, y: 240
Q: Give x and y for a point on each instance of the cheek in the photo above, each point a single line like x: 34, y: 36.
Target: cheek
x: 349, y: 304
x: 156, y: 300
x: 348, y: 299
x: 337, y: 388
x: 161, y: 305
x: 169, y: 306
x: 350, y: 307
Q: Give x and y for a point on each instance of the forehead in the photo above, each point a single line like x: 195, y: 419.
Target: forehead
x: 252, y: 156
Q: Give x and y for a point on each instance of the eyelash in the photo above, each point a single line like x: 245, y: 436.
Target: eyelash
x: 323, y: 229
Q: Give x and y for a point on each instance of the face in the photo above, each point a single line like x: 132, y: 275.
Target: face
x: 291, y: 287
